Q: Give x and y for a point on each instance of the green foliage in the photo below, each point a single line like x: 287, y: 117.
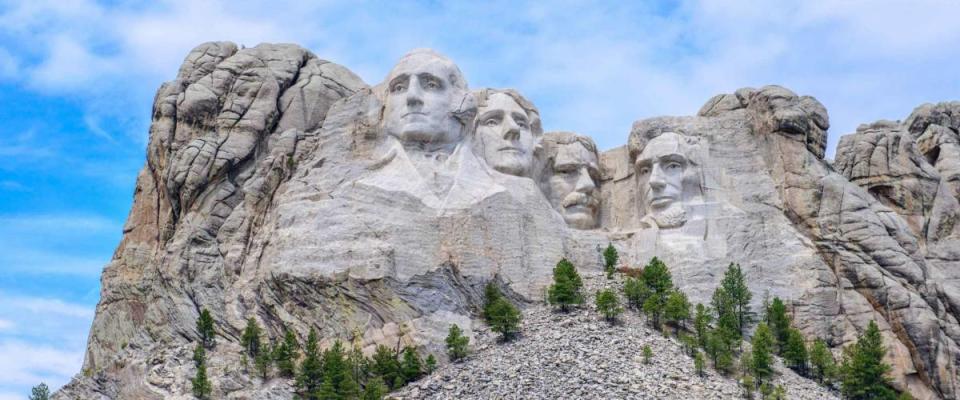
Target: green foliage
x: 762, y: 343
x: 335, y: 367
x: 698, y: 363
x: 608, y: 304
x: 636, y: 292
x: 794, y: 351
x: 689, y: 343
x: 386, y: 366
x: 735, y: 285
x: 40, y: 392
x: 491, y: 293
x: 565, y: 290
x: 285, y: 355
x: 726, y: 326
x: 647, y: 354
x: 824, y: 366
x: 779, y: 393
x: 411, y: 368
x: 766, y: 390
x: 205, y: 328
x: 310, y: 377
x: 863, y: 372
x: 328, y: 391
x: 504, y: 318
x: 701, y: 324
x: 199, y: 355
x: 375, y: 389
x: 250, y: 340
x: 779, y: 322
x: 749, y: 385
x: 656, y: 277
x: 263, y: 363
x: 431, y: 364
x: 456, y: 343
x: 677, y: 310
x: 719, y: 351
x: 202, y: 389
x: 610, y: 259
x: 746, y: 363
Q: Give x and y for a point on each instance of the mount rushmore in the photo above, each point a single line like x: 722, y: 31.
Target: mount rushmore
x: 281, y: 186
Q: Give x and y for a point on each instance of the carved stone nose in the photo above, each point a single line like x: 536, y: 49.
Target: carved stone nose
x: 585, y: 182
x: 511, y: 134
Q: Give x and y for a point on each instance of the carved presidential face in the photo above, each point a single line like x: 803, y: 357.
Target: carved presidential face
x: 573, y: 185
x: 422, y: 92
x: 505, y: 135
x: 662, y: 172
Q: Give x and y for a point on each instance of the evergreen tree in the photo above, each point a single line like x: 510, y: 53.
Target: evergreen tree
x: 749, y: 385
x: 647, y: 354
x: 746, y: 363
x: 491, y: 293
x: 795, y: 351
x: 310, y: 377
x: 431, y: 364
x: 358, y: 368
x: 822, y: 361
x: 701, y: 324
x: 262, y: 362
x: 677, y: 310
x: 199, y: 355
x: 689, y: 343
x: 735, y: 286
x: 779, y: 322
x: 375, y: 389
x: 779, y: 393
x: 565, y: 290
x: 40, y: 392
x: 250, y: 340
x: 202, y: 389
x: 328, y: 390
x: 726, y: 318
x: 698, y: 363
x: 386, y: 366
x: 863, y: 372
x: 657, y: 278
x: 456, y: 343
x: 286, y: 353
x: 334, y: 365
x: 762, y: 342
x: 504, y: 318
x: 608, y: 305
x: 411, y: 367
x: 636, y: 293
x: 610, y: 259
x: 205, y: 328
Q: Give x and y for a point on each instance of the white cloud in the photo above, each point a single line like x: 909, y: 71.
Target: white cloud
x: 5, y: 325
x: 31, y: 364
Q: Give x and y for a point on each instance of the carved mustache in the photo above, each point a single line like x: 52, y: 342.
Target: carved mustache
x: 580, y: 199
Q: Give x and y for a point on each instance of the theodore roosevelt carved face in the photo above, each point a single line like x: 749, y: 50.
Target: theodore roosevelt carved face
x: 426, y: 100
x: 507, y: 131
x: 570, y: 178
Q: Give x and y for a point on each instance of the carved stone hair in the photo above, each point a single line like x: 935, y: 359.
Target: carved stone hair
x: 533, y: 115
x: 553, y: 140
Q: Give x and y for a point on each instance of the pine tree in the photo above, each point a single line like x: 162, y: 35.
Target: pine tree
x: 677, y: 310
x: 822, y: 361
x: 328, y: 390
x: 698, y: 363
x: 250, y: 340
x: 431, y: 364
x: 779, y: 322
x: 795, y: 352
x: 199, y: 355
x: 735, y: 285
x: 334, y: 365
x: 286, y: 353
x: 608, y: 305
x: 456, y: 343
x: 310, y: 377
x: 779, y: 393
x: 647, y: 354
x: 863, y: 372
x: 375, y: 389
x: 262, y: 362
x: 689, y: 343
x: 657, y: 278
x: 411, y: 367
x: 749, y: 385
x: 762, y: 342
x: 202, y: 389
x: 636, y: 293
x: 723, y: 306
x: 701, y: 324
x: 358, y: 368
x: 40, y: 392
x: 386, y: 366
x: 610, y: 259
x: 205, y: 328
x: 565, y: 290
x: 504, y: 318
x: 491, y: 293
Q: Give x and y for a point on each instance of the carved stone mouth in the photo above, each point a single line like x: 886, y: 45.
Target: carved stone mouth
x: 414, y: 113
x: 510, y: 149
x: 662, y: 201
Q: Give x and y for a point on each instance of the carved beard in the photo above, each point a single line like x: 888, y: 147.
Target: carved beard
x: 673, y: 217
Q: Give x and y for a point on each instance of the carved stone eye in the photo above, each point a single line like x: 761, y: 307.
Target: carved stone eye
x: 674, y: 166
x: 491, y: 122
x: 398, y: 87
x: 643, y: 170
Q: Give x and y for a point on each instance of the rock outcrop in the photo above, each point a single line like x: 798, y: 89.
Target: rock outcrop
x: 280, y: 186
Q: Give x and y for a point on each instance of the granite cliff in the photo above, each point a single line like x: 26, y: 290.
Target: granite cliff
x: 281, y: 186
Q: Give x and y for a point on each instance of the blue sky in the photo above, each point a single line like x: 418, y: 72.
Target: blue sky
x: 77, y: 79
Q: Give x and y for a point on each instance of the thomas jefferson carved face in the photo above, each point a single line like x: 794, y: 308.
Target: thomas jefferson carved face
x: 423, y: 93
x: 506, y: 133
x: 571, y: 179
x: 663, y: 173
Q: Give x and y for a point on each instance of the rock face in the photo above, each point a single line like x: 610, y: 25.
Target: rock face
x: 281, y: 187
